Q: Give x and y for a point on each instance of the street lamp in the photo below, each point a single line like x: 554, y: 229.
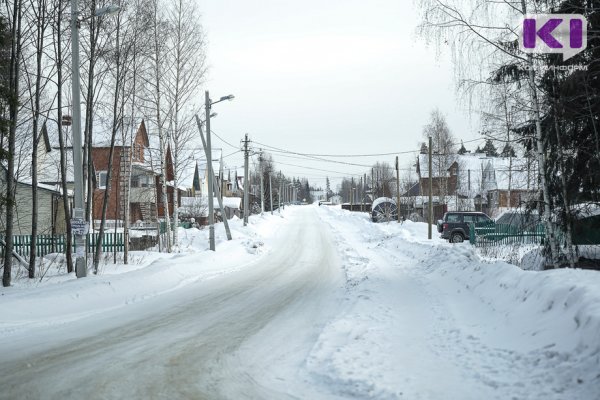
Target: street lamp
x: 78, y: 219
x: 211, y: 219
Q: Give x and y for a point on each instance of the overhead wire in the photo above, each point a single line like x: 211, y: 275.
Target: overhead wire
x: 355, y: 155
x: 223, y: 140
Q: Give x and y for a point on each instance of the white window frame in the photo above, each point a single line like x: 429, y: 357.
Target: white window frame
x: 100, y: 174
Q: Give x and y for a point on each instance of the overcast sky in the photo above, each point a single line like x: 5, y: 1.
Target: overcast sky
x: 326, y: 77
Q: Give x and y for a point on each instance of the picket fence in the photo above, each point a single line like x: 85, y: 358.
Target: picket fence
x: 47, y: 244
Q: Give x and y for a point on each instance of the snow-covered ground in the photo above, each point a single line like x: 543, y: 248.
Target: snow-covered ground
x: 315, y: 303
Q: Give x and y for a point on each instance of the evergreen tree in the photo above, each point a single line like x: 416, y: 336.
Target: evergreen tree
x: 489, y: 149
x: 462, y: 149
x: 508, y: 151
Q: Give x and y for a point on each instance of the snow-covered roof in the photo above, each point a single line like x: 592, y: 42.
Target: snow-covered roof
x: 502, y: 172
x: 49, y: 166
x: 230, y: 202
x: 585, y: 210
x: 380, y: 200
x: 27, y: 181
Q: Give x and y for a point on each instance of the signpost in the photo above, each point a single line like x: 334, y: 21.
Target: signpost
x: 79, y: 226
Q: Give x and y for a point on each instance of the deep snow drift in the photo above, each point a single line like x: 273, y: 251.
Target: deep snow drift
x: 415, y: 319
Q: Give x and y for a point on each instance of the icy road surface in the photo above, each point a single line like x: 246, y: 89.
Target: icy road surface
x: 335, y: 308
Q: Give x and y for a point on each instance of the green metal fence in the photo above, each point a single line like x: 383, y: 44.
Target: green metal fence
x: 492, y: 234
x: 46, y: 244
x: 110, y: 242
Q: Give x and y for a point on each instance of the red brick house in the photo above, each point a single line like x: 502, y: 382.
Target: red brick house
x: 135, y: 182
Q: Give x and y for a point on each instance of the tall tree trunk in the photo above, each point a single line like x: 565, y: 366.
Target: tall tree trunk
x: 161, y: 134
x: 571, y: 257
x: 115, y: 126
x: 41, y: 22
x: 507, y: 125
x: 14, y: 76
x: 541, y: 158
x: 94, y: 27
x: 61, y: 140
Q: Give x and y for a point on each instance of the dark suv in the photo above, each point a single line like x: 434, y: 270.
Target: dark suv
x: 455, y: 224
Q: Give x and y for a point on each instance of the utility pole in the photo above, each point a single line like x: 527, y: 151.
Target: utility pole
x: 246, y: 183
x: 365, y: 181
x: 360, y: 189
x: 215, y: 188
x: 430, y: 217
x: 270, y: 193
x: 211, y: 177
x: 398, y: 189
x: 279, y: 194
x: 78, y: 211
x: 262, y: 188
x: 373, y: 183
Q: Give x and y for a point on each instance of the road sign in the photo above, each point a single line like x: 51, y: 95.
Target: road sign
x: 79, y: 226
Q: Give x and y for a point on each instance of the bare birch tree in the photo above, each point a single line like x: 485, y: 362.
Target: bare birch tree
x: 185, y: 76
x: 158, y: 60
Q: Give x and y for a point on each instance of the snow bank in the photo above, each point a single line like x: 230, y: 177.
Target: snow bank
x: 510, y: 333
x: 58, y: 297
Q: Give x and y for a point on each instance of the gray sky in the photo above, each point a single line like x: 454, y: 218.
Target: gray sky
x: 326, y: 77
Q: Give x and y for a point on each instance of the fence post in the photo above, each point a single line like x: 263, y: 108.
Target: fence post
x: 472, y: 233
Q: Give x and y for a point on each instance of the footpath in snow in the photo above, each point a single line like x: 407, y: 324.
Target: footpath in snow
x: 418, y: 319
x: 432, y: 320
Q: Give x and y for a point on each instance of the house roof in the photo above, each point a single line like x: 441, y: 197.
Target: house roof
x: 471, y: 168
x: 104, y: 140
x: 27, y: 181
x: 49, y: 166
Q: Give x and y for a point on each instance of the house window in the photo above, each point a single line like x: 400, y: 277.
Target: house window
x: 146, y: 181
x: 102, y: 179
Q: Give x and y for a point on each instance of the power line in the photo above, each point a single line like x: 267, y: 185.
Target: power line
x: 302, y: 157
x: 223, y: 140
x: 356, y: 155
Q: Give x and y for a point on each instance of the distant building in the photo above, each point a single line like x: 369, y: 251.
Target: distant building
x: 475, y: 181
x: 51, y: 216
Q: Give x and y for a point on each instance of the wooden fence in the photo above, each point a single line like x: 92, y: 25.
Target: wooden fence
x: 47, y: 244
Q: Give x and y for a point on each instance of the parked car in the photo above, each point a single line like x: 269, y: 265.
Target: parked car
x: 454, y: 227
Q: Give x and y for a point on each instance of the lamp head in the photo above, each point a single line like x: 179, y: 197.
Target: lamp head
x: 109, y: 9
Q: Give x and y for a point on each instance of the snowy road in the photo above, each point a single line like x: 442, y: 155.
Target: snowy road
x: 190, y: 344
x: 336, y: 307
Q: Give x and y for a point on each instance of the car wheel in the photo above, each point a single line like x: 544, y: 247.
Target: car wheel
x: 457, y: 238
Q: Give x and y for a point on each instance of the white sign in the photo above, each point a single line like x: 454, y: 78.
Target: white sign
x: 79, y: 226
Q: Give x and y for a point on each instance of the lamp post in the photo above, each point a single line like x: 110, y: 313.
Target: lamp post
x: 211, y: 218
x: 78, y: 219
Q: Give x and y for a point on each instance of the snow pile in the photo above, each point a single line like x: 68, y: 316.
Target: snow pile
x: 149, y: 274
x: 425, y: 315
